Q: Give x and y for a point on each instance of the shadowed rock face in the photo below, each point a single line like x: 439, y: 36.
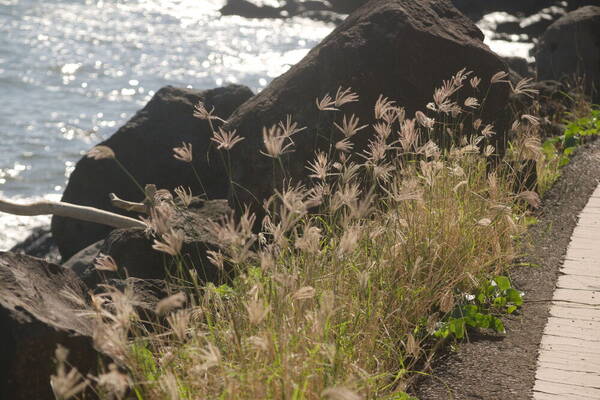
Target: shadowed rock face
x: 571, y: 47
x: 132, y: 248
x: 144, y: 146
x: 402, y: 49
x: 34, y: 317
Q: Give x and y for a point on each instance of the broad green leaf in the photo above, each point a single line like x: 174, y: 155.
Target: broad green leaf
x: 457, y: 327
x: 497, y: 325
x: 514, y: 296
x: 502, y: 282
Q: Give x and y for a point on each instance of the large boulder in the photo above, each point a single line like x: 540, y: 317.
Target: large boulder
x: 402, y: 49
x: 144, y: 147
x: 35, y: 316
x: 570, y: 48
x: 133, y: 252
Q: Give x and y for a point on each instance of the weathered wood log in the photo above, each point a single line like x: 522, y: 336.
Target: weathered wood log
x: 127, y: 205
x: 68, y: 210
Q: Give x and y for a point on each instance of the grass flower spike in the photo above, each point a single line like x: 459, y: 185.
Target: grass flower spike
x: 226, y: 140
x: 171, y: 242
x: 101, y: 153
x: 183, y: 153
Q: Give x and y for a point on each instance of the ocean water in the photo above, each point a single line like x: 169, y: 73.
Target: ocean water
x: 73, y: 71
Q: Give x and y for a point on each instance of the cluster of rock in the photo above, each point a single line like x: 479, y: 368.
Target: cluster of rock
x: 402, y: 49
x: 330, y: 10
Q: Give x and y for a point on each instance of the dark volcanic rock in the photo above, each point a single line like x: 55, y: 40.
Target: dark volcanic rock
x: 346, y: 6
x: 570, y: 48
x: 314, y: 9
x: 135, y: 257
x: 575, y: 4
x: 399, y: 48
x: 520, y: 66
x: 248, y: 9
x: 39, y: 244
x: 144, y: 147
x: 82, y: 262
x: 35, y: 316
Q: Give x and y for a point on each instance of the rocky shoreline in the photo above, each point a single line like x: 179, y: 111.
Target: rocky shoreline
x: 399, y: 48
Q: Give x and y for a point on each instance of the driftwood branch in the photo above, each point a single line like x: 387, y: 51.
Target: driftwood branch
x: 127, y: 205
x: 62, y: 209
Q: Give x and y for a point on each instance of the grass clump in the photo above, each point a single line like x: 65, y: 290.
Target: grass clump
x: 355, y: 274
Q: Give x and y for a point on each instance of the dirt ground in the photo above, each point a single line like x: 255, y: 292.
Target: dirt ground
x: 495, y: 367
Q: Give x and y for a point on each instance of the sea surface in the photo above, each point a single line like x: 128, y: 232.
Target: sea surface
x: 73, y: 71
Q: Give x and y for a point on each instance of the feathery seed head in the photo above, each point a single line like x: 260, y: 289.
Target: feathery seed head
x: 160, y: 218
x: 179, y: 322
x: 383, y: 130
x: 274, y: 142
x: 376, y: 150
x: 409, y: 133
x: 488, y: 131
x: 532, y: 198
x: 210, y: 356
x: 105, y: 263
x: 66, y: 385
x: 349, y: 241
x: 216, y: 258
x: 183, y: 153
x: 326, y: 103
x: 225, y: 139
x: 524, y: 87
x: 170, y: 303
x: 319, y: 167
x: 171, y: 242
x: 345, y: 96
x: 499, y: 77
x: 383, y: 106
x: 349, y: 127
x: 100, y: 152
x: 344, y: 145
x: 310, y: 241
x: 423, y: 120
x: 184, y: 194
x: 531, y: 119
x: 114, y: 382
x: 201, y: 112
x: 289, y: 128
x: 257, y: 311
x: 471, y: 102
x: 304, y: 293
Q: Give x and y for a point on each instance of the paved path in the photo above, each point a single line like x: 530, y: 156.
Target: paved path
x: 569, y: 359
